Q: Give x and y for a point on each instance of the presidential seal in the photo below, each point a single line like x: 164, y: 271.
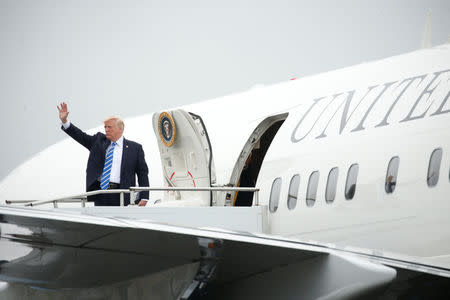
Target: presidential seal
x: 166, y: 129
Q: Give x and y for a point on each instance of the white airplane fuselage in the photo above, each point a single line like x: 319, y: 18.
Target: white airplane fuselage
x: 364, y: 115
x: 408, y: 118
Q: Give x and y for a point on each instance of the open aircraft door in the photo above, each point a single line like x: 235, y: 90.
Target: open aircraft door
x: 248, y: 164
x: 186, y: 156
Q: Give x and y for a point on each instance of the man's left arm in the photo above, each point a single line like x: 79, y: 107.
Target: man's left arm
x: 142, y: 173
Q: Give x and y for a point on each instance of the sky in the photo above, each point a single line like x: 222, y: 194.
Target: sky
x: 133, y: 57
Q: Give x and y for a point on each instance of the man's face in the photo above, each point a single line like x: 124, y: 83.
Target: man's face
x: 112, y: 132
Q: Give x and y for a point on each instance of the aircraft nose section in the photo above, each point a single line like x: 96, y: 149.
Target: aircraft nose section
x: 50, y: 174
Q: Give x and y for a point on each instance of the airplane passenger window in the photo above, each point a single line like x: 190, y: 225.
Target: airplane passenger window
x: 391, y: 175
x: 434, y: 167
x: 275, y: 195
x: 312, y: 188
x: 293, y: 192
x: 350, y: 185
x: 330, y: 192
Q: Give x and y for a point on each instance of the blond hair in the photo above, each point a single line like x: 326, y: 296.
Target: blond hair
x: 119, y: 122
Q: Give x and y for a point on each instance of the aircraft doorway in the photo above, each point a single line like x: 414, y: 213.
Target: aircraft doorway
x: 246, y: 170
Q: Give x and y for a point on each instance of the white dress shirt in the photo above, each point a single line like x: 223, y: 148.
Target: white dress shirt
x: 66, y: 125
x: 117, y: 160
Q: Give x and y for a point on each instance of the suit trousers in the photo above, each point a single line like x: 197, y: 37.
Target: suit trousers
x: 106, y: 199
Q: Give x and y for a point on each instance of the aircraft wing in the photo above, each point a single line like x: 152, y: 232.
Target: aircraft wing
x: 64, y: 250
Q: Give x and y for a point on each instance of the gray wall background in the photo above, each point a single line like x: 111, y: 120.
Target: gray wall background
x: 134, y: 57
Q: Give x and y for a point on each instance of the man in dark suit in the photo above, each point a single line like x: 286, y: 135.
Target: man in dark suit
x: 113, y: 160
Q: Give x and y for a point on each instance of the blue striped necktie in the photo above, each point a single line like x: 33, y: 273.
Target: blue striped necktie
x: 104, y: 182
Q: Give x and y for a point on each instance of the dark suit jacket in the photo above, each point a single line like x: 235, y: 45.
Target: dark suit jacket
x: 133, y: 162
